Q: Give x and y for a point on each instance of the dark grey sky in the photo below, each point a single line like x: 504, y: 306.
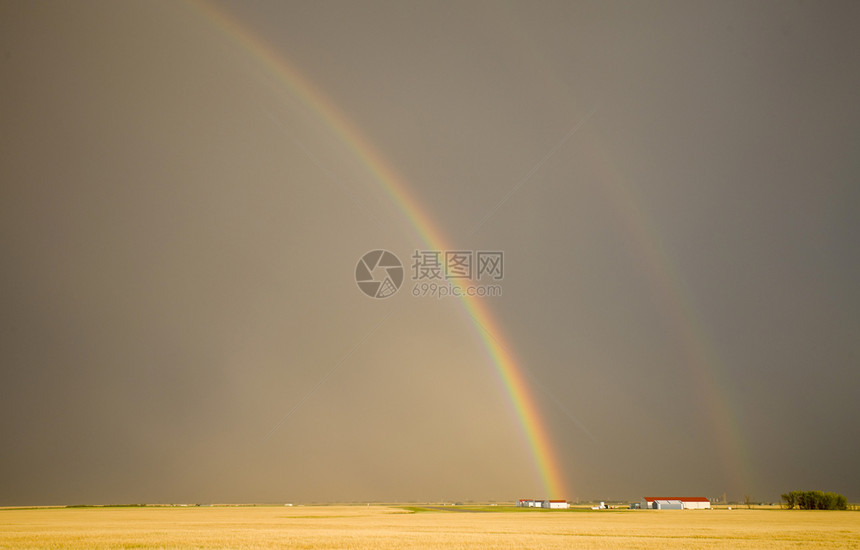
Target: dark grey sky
x: 179, y: 233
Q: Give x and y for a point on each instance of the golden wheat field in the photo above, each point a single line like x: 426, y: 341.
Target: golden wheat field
x: 264, y: 527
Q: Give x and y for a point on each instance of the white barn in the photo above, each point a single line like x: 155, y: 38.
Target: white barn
x: 676, y: 503
x: 553, y: 504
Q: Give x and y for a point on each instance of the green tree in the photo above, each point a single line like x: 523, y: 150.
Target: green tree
x: 814, y: 500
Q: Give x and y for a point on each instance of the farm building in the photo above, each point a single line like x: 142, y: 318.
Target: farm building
x: 675, y: 503
x: 554, y: 504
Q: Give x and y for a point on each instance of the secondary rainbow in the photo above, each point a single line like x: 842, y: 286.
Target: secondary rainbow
x: 701, y: 357
x: 513, y: 378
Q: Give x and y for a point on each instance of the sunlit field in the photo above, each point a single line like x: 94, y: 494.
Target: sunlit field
x: 393, y: 527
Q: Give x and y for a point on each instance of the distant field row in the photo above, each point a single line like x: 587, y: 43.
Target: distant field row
x: 421, y: 526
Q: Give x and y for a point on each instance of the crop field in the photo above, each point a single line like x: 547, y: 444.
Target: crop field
x: 263, y: 527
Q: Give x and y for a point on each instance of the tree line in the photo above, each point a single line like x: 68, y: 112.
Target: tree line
x: 814, y: 500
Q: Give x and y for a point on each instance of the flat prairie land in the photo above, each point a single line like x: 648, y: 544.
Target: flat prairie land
x: 264, y: 527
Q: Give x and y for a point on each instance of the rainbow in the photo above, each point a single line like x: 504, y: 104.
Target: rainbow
x: 507, y: 368
x: 700, y: 357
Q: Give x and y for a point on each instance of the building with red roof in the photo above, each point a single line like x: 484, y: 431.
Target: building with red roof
x: 676, y: 503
